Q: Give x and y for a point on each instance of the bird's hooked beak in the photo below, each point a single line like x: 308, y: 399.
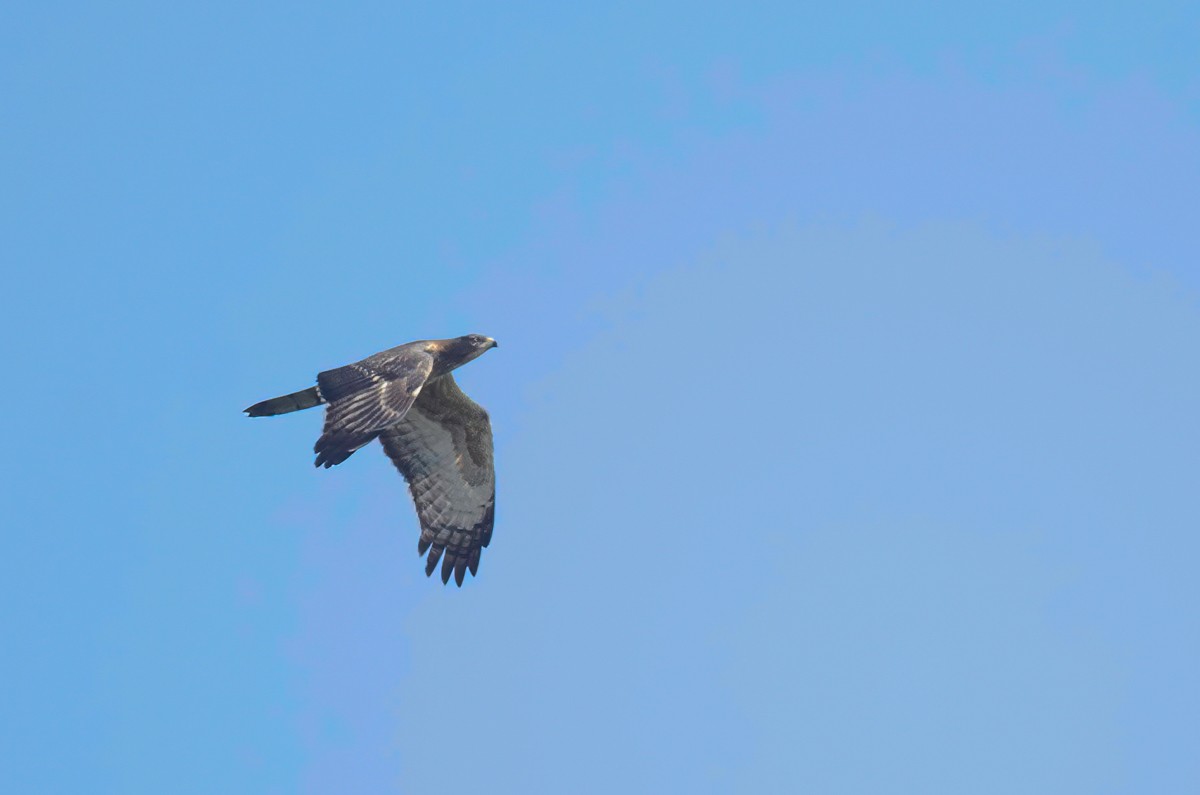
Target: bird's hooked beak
x: 494, y: 343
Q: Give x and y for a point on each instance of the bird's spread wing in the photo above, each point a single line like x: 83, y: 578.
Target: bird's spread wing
x: 363, y: 400
x: 443, y: 448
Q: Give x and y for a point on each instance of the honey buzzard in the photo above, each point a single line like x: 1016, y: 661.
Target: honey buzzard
x: 439, y: 439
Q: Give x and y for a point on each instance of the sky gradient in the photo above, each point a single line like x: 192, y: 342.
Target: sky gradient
x: 845, y: 408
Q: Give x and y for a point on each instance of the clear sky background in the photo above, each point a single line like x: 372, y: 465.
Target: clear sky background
x: 846, y: 410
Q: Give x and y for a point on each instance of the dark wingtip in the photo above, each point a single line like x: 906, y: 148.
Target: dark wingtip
x: 432, y: 561
x: 329, y: 455
x: 452, y: 564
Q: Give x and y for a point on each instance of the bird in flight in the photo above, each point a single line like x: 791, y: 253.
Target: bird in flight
x: 439, y: 439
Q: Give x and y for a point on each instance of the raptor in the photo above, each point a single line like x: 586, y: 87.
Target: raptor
x: 439, y: 439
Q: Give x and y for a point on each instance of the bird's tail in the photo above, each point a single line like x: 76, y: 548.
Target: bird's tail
x: 304, y: 399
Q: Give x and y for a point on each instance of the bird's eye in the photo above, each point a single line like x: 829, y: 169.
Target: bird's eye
x: 475, y: 339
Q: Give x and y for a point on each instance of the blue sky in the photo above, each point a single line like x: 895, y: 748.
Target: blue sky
x: 845, y: 410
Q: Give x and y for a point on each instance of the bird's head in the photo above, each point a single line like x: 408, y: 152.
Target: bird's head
x: 458, y: 351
